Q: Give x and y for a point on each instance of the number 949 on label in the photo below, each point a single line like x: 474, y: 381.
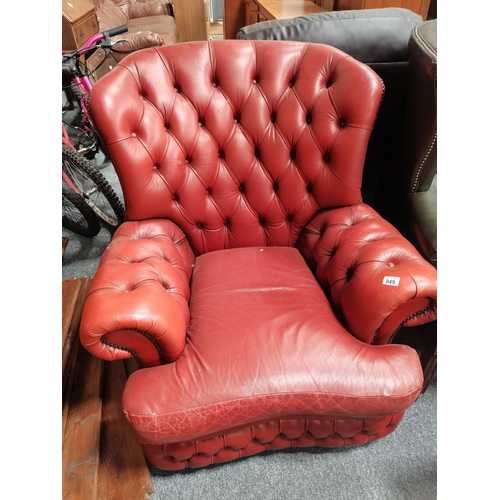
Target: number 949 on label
x: 391, y: 280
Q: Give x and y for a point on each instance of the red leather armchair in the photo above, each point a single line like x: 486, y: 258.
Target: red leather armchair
x: 250, y: 282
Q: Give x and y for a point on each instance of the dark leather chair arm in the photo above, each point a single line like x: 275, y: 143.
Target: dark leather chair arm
x: 137, y: 305
x: 423, y: 218
x: 377, y: 281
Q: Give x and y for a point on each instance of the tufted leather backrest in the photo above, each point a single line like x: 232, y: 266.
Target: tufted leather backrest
x: 238, y: 142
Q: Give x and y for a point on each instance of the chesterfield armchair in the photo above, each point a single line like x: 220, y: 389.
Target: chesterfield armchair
x: 255, y: 290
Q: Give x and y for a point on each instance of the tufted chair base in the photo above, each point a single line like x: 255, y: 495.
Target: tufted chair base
x: 325, y: 432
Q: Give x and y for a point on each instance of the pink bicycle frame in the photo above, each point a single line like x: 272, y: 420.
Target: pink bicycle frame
x: 84, y: 82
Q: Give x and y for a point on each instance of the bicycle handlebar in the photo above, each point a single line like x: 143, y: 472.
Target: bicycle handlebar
x: 94, y: 40
x: 115, y: 31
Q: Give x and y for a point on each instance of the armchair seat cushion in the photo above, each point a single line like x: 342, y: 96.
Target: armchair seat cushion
x: 263, y: 344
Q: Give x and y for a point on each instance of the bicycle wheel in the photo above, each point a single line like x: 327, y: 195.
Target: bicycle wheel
x: 77, y: 215
x: 93, y: 186
x: 83, y: 100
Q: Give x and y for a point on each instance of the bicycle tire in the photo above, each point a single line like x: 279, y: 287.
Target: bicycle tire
x: 77, y: 216
x: 97, y: 136
x: 93, y: 186
x: 87, y: 121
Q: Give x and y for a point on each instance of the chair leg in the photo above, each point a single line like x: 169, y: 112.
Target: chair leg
x: 428, y: 357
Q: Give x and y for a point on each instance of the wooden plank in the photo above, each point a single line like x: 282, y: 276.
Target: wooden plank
x: 80, y: 444
x: 74, y: 293
x: 65, y: 241
x: 278, y: 9
x: 233, y: 15
x: 123, y: 471
x: 70, y: 289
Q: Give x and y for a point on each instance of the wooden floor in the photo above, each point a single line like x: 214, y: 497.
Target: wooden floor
x: 216, y: 30
x: 101, y: 457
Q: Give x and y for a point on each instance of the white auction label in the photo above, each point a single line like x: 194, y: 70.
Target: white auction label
x: 391, y: 280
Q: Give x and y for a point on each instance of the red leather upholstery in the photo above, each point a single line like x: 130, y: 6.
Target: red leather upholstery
x: 233, y: 156
x: 241, y: 164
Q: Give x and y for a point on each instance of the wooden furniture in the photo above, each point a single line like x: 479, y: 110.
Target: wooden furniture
x: 79, y: 23
x: 233, y: 17
x: 279, y: 9
x: 193, y: 19
x: 239, y: 13
x: 418, y: 6
x: 101, y: 457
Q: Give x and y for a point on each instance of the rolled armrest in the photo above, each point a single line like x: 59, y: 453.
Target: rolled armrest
x: 376, y: 279
x: 137, y: 304
x: 136, y: 41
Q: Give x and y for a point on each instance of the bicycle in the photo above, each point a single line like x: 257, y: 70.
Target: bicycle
x: 91, y: 184
x: 76, y: 82
x: 86, y: 179
x: 77, y: 216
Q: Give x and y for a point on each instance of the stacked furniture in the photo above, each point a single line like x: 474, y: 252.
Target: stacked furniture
x: 149, y: 23
x: 240, y: 13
